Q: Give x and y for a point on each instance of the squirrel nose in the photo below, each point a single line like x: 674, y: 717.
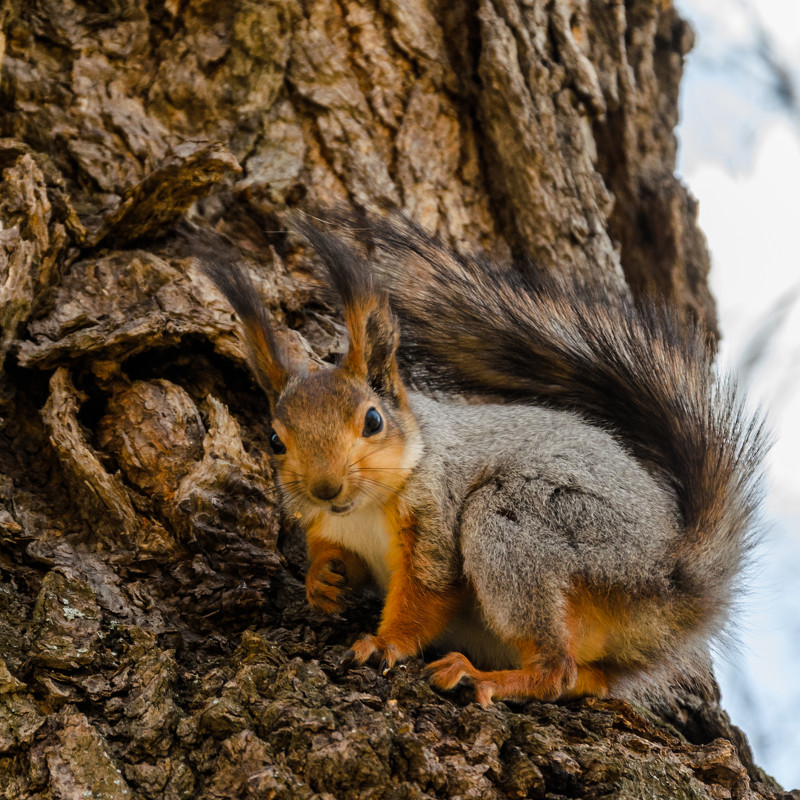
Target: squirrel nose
x: 326, y: 489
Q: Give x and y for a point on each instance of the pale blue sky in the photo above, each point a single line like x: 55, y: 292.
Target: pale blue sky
x: 740, y: 156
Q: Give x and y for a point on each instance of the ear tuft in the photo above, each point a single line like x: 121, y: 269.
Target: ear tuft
x: 382, y: 336
x: 222, y: 263
x: 372, y: 356
x: 374, y: 332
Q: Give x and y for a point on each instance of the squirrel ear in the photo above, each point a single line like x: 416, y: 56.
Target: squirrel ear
x: 374, y: 333
x: 374, y: 336
x: 265, y: 355
x: 222, y: 263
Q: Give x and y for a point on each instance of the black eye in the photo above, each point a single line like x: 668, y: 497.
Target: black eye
x: 373, y: 422
x: 278, y: 447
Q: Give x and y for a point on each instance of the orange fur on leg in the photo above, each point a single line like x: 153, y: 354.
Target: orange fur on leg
x: 542, y: 679
x: 413, y: 614
x: 594, y: 622
x: 332, y: 573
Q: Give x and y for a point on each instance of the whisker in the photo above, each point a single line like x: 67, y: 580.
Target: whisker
x: 386, y: 486
x: 372, y: 452
x: 375, y: 482
x: 371, y: 493
x: 294, y: 474
x: 383, y: 469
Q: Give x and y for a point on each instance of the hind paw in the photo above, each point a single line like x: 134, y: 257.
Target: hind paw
x: 447, y: 673
x: 549, y: 681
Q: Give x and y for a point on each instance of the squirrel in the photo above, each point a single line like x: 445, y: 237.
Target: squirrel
x: 576, y: 526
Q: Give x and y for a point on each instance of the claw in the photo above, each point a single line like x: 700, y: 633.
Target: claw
x: 484, y: 692
x: 373, y: 649
x: 544, y: 681
x: 447, y: 672
x: 338, y: 567
x: 327, y: 585
x: 366, y: 648
x: 347, y: 660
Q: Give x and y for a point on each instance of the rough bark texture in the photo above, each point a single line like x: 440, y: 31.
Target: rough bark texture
x: 154, y: 636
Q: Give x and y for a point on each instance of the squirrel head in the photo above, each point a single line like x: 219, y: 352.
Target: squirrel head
x: 342, y: 437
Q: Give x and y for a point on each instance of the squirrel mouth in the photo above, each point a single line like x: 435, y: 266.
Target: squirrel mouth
x: 342, y: 509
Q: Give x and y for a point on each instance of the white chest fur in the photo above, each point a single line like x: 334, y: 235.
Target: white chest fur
x: 364, y: 531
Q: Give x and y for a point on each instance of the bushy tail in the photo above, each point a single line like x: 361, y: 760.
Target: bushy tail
x: 632, y: 368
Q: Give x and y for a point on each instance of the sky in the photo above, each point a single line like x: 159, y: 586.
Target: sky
x: 739, y: 153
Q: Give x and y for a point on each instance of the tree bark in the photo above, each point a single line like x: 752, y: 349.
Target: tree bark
x: 154, y: 635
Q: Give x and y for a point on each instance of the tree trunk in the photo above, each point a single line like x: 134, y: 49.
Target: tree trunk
x: 154, y: 634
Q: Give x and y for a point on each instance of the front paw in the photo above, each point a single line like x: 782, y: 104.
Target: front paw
x: 326, y: 585
x: 377, y: 650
